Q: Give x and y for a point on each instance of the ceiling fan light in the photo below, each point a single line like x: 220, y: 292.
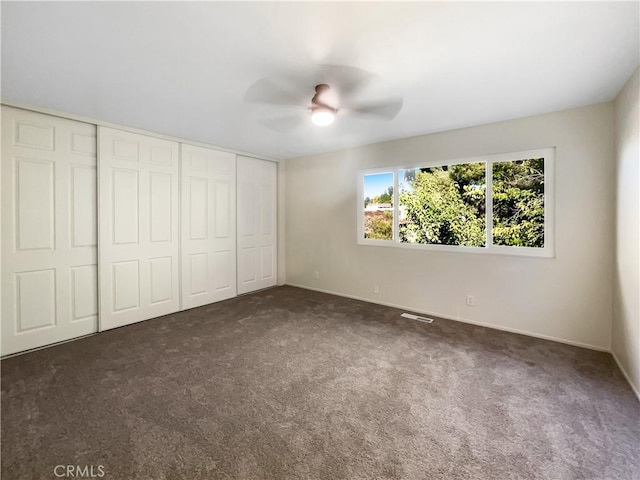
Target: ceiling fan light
x: 322, y: 117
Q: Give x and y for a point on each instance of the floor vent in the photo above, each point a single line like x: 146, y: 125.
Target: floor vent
x: 417, y: 317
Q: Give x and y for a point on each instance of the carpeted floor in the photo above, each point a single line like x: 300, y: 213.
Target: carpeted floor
x: 288, y: 383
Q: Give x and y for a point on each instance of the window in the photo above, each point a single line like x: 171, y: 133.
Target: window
x: 443, y: 205
x: 378, y: 206
x: 496, y: 204
x: 518, y: 203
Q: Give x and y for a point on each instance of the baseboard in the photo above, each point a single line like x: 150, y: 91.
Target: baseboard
x: 635, y: 389
x: 458, y: 319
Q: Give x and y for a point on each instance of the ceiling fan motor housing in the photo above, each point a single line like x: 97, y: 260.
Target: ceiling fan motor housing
x: 320, y: 100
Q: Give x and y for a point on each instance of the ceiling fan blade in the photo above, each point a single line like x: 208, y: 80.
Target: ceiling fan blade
x: 345, y: 79
x: 285, y: 124
x: 267, y: 91
x: 385, y: 109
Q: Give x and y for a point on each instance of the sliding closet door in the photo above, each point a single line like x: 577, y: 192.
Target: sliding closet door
x: 138, y: 227
x: 208, y: 226
x: 49, y: 279
x: 257, y: 199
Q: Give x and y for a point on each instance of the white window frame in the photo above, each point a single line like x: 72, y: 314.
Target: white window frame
x: 549, y: 205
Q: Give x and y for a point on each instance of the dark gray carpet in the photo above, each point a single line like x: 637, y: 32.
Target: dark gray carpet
x: 288, y: 383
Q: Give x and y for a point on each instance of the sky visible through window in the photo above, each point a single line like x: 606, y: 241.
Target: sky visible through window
x: 376, y: 184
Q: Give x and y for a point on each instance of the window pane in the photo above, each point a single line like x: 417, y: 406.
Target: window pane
x: 518, y: 203
x: 378, y: 206
x: 443, y: 205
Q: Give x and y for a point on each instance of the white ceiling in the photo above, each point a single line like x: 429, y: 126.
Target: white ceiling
x: 183, y: 68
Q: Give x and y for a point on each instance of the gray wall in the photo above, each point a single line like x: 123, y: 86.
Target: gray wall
x: 567, y: 298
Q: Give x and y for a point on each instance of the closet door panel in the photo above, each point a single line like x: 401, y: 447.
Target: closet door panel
x: 208, y: 226
x: 139, y: 230
x: 257, y: 200
x: 49, y: 284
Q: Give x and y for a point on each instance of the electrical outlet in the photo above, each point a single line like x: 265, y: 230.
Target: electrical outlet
x: 316, y: 275
x: 376, y: 289
x: 470, y: 300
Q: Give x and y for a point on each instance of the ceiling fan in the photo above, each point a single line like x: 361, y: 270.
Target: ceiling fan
x: 338, y: 89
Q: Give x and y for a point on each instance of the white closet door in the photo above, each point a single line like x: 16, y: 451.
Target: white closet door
x: 138, y: 227
x: 49, y: 276
x: 257, y: 199
x: 208, y: 226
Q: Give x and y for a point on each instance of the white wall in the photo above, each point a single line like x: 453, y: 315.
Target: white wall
x: 567, y: 298
x: 626, y: 305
